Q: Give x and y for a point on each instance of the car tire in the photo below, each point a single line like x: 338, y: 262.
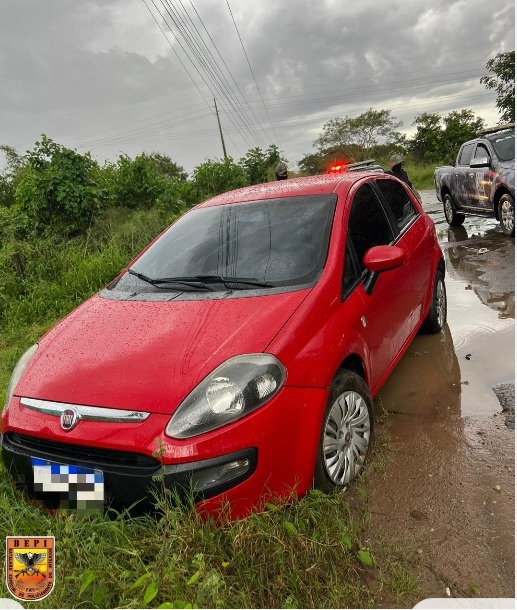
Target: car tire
x: 507, y: 214
x: 437, y: 315
x: 451, y: 215
x: 346, y: 433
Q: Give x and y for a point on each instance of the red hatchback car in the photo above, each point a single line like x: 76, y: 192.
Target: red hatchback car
x: 237, y: 355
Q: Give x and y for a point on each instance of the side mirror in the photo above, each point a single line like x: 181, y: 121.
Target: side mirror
x: 480, y: 162
x: 383, y: 258
x: 379, y: 259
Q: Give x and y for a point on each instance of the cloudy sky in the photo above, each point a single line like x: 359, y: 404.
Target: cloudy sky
x: 129, y: 76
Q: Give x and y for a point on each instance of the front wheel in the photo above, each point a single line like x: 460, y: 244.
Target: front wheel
x: 449, y: 209
x: 346, y: 433
x: 507, y: 214
x: 437, y: 315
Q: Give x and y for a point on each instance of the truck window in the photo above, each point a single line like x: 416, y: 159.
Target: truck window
x: 481, y: 151
x: 466, y: 154
x: 505, y: 147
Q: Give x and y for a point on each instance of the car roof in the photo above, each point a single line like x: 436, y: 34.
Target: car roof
x: 311, y: 185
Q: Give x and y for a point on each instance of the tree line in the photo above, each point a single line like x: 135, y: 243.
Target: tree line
x: 55, y: 189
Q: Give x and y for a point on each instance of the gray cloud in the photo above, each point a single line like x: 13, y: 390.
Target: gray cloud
x: 101, y: 76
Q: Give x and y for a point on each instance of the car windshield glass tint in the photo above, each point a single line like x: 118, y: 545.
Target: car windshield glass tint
x: 277, y: 242
x: 505, y: 147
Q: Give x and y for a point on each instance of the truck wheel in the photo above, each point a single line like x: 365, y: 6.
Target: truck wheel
x: 451, y: 216
x: 507, y: 214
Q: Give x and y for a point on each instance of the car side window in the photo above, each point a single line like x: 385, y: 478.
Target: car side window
x: 481, y: 151
x: 368, y: 225
x: 466, y: 154
x: 398, y: 201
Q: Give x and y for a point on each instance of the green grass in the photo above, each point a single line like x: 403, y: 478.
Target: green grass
x: 304, y: 554
x: 422, y: 176
x: 317, y: 552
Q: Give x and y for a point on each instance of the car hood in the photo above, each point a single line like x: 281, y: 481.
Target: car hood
x: 149, y: 355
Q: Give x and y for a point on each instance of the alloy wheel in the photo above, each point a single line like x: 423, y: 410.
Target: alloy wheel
x: 507, y: 215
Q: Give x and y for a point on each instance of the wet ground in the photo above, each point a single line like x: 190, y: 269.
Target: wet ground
x: 450, y: 488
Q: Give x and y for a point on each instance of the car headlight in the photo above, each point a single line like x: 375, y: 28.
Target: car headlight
x: 234, y: 389
x: 18, y: 371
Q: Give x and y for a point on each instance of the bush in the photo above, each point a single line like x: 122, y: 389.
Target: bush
x: 58, y: 189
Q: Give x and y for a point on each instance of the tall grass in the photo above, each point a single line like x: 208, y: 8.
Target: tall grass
x: 313, y: 553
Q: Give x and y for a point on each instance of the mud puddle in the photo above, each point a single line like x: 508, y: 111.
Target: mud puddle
x: 450, y: 488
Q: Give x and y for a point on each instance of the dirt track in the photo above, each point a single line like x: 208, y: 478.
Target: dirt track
x: 451, y: 486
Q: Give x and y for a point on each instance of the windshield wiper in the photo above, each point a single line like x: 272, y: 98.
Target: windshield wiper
x: 228, y: 281
x: 190, y: 282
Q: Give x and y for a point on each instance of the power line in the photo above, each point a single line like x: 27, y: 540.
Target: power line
x: 201, y: 58
x: 251, y: 70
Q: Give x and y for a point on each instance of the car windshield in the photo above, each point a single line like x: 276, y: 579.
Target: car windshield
x: 266, y: 244
x: 504, y: 145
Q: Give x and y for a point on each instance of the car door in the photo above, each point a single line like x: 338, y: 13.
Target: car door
x: 387, y: 311
x: 413, y: 235
x: 480, y: 180
x: 462, y: 182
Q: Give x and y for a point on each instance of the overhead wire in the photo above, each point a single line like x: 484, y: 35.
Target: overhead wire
x: 228, y: 70
x: 228, y: 88
x: 251, y: 70
x: 211, y: 71
x: 181, y: 62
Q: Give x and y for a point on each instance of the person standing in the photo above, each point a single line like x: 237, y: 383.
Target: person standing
x: 397, y: 171
x: 281, y: 171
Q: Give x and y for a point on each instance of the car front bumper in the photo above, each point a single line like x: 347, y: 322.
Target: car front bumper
x: 268, y: 454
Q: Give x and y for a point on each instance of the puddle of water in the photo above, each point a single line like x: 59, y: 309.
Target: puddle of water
x: 451, y: 484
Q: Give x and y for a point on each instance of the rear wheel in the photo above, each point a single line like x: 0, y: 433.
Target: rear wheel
x: 451, y: 215
x: 507, y: 214
x: 437, y: 315
x: 346, y: 433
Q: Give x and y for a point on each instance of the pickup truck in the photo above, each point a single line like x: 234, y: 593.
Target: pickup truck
x: 482, y: 180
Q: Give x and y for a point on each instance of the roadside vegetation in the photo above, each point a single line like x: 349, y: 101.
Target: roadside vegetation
x: 67, y: 227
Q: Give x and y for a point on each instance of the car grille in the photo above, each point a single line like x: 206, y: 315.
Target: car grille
x: 102, y: 459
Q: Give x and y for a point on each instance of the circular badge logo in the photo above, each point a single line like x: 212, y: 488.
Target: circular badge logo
x: 69, y: 419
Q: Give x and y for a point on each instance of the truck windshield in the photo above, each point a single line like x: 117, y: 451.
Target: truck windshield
x: 272, y: 243
x: 504, y: 146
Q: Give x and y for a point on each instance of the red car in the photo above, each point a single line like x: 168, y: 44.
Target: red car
x: 237, y: 356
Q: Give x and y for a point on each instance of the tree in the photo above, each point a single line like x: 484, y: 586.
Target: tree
x: 259, y: 165
x: 58, y: 188
x: 11, y: 176
x: 426, y: 145
x: 438, y: 139
x: 460, y: 126
x: 217, y: 176
x: 167, y: 167
x: 502, y: 81
x: 365, y: 131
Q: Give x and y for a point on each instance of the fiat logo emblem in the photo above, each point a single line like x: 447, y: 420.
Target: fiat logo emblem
x: 69, y: 419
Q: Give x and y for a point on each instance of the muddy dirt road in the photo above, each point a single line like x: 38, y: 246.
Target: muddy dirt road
x: 450, y: 486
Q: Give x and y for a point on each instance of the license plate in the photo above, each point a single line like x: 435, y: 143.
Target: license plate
x: 79, y: 486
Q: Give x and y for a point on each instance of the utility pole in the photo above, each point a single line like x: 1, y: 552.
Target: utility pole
x: 220, y: 130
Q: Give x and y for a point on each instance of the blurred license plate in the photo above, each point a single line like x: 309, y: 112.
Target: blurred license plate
x: 78, y: 483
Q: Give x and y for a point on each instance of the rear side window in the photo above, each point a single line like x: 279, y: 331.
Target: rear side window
x: 398, y: 201
x: 505, y: 146
x: 368, y: 225
x: 466, y: 154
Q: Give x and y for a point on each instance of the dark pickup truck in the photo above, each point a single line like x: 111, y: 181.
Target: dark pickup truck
x: 482, y: 180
